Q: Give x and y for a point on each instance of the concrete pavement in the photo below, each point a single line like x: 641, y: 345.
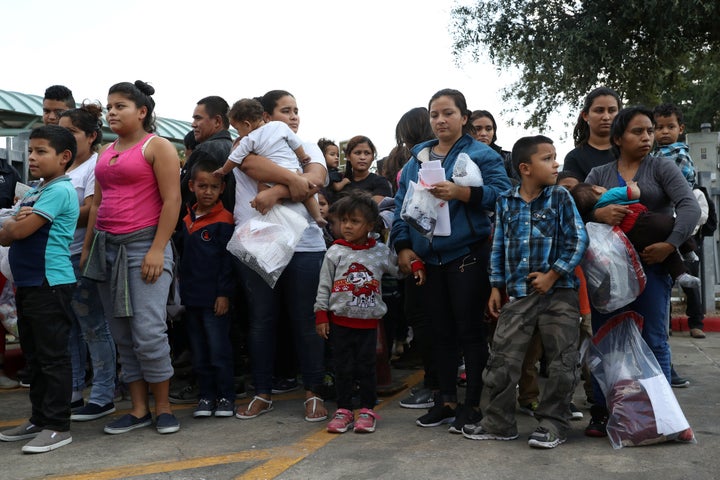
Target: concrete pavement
x: 282, y: 445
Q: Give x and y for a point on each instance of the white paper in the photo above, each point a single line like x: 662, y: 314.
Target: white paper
x: 668, y: 414
x: 430, y: 174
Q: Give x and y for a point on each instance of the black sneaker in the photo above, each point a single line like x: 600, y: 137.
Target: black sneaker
x: 92, y: 411
x: 436, y: 416
x: 465, y: 415
x: 224, y: 408
x: 676, y: 381
x: 544, y: 438
x: 77, y: 404
x: 284, y: 385
x: 205, y: 408
x: 419, y: 398
x: 598, y: 422
x: 186, y: 395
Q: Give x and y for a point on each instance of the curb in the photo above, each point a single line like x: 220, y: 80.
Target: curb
x: 680, y: 324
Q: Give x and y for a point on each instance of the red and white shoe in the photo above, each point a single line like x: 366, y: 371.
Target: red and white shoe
x: 342, y: 421
x: 365, y: 422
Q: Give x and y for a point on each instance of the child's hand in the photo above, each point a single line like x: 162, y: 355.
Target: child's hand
x: 494, y: 303
x: 323, y: 329
x: 222, y: 305
x: 611, y: 214
x: 656, y: 253
x: 420, y: 277
x: 23, y: 212
x: 542, y: 282
x: 405, y: 259
x: 305, y: 160
x: 265, y: 200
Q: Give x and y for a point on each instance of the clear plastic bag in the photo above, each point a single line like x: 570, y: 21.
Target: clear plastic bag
x: 466, y: 173
x: 266, y: 243
x: 643, y: 408
x: 420, y: 209
x: 612, y: 268
x: 8, y: 307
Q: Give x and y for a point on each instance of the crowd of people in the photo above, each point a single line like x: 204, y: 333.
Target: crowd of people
x: 111, y: 234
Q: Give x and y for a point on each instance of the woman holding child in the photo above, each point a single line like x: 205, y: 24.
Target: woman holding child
x: 663, y: 189
x: 457, y: 284
x: 296, y: 288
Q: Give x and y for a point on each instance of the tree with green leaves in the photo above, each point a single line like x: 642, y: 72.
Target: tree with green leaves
x: 649, y: 51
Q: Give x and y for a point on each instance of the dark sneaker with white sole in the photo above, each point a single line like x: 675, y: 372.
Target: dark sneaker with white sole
x: 436, y: 416
x: 465, y: 415
x: 544, y: 438
x: 92, y: 411
x: 126, y: 423
x: 419, y: 398
x: 21, y: 432
x: 167, y: 423
x: 477, y: 432
x: 205, y: 408
x: 224, y: 408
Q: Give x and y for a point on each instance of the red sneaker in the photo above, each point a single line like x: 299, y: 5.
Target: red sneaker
x: 366, y: 421
x: 342, y: 421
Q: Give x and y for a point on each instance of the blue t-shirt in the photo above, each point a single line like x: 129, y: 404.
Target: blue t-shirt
x: 46, y: 253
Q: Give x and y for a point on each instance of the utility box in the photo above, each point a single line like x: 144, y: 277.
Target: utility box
x: 705, y: 150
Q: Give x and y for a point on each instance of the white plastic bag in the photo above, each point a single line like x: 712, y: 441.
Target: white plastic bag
x: 466, y: 173
x: 266, y: 243
x: 419, y: 209
x: 612, y: 268
x: 8, y: 308
x: 643, y: 408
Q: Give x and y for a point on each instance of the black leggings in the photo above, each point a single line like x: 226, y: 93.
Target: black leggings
x: 456, y: 297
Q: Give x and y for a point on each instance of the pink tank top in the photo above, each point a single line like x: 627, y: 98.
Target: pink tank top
x: 130, y: 195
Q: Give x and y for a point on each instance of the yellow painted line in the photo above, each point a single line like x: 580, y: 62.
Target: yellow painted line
x: 279, y: 458
x: 166, y: 467
x: 311, y: 444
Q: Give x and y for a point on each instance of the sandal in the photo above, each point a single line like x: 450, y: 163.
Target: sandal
x: 246, y: 416
x: 314, y: 401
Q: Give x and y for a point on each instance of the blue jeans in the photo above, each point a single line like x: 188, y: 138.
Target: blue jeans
x: 89, y: 327
x: 294, y: 292
x: 212, y: 354
x: 653, y: 304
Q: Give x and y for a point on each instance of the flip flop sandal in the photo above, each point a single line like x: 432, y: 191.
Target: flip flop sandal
x: 314, y: 409
x: 267, y: 409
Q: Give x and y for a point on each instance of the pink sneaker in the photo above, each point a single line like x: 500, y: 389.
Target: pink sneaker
x: 342, y: 421
x: 366, y: 421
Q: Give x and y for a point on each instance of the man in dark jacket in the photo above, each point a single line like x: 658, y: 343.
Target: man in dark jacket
x: 210, y: 126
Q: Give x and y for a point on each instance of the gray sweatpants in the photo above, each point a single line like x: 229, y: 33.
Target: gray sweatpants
x: 142, y: 342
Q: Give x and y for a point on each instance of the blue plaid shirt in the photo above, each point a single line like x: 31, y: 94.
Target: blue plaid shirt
x: 535, y: 237
x: 679, y: 153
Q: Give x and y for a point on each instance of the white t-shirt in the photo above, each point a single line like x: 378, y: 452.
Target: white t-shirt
x: 246, y: 189
x: 83, y: 179
x: 274, y: 140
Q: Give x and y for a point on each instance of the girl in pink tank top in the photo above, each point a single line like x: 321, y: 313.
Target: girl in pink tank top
x: 135, y: 208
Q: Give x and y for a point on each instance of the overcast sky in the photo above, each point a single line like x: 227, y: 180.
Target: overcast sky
x: 354, y: 67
